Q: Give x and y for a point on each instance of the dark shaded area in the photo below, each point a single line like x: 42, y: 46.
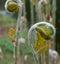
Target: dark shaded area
x: 28, y: 13
x: 58, y: 26
x: 2, y: 3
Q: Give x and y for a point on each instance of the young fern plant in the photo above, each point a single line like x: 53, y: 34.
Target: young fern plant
x: 13, y: 6
x: 42, y: 33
